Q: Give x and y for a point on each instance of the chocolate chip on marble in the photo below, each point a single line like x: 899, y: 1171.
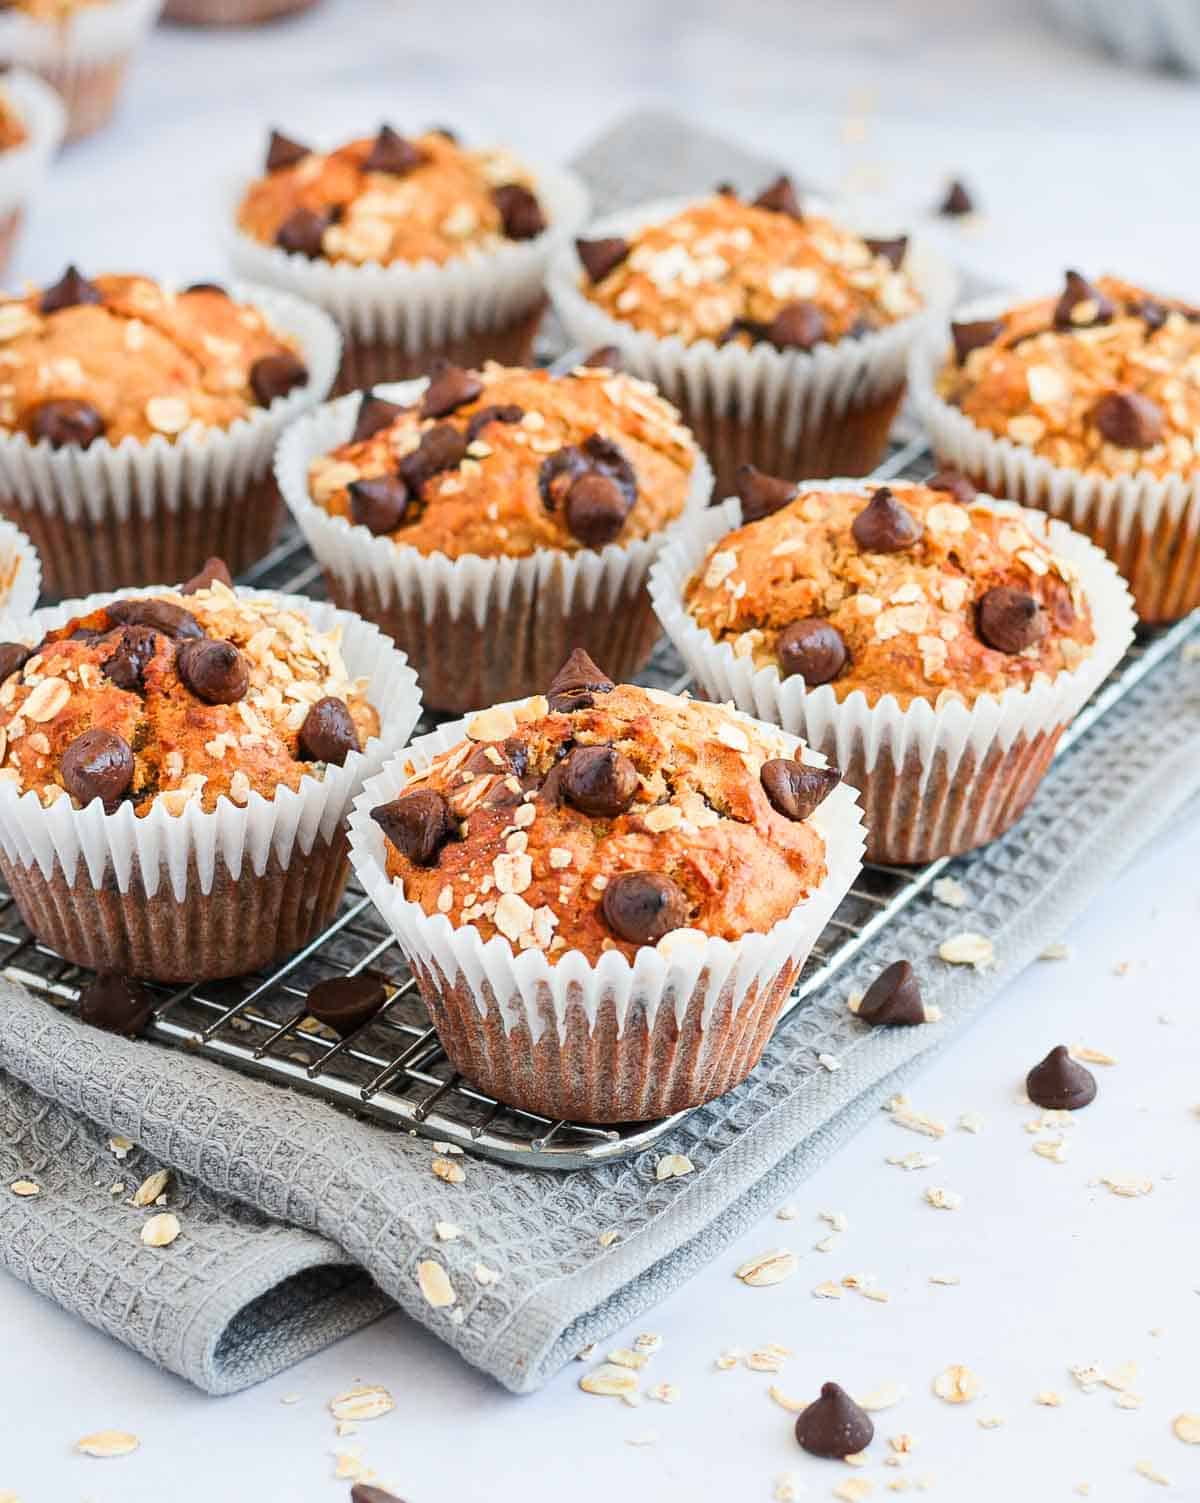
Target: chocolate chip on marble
x: 212, y: 569
x: 599, y: 257
x: 282, y: 151
x: 1059, y: 1083
x: 834, y: 1426
x: 761, y: 494
x: 302, y: 233
x: 393, y: 153
x: 607, y: 358
x: 599, y: 780
x: 576, y: 683
x: 1081, y: 305
x: 67, y: 422
x: 893, y: 251
x: 378, y: 505
x: 503, y: 412
x: 975, y: 335
x: 893, y: 999
x: 126, y: 667
x: 214, y: 670
x: 596, y: 509
x: 1129, y: 420
x: 812, y: 648
x: 162, y: 615
x: 442, y: 447
x: 884, y: 526
x: 797, y: 326
x: 780, y: 197
x: 418, y: 824
x: 956, y: 200
x: 274, y: 376
x: 116, y: 1003
x: 328, y: 733
x: 519, y: 210
x: 97, y: 764
x: 13, y: 655
x: 640, y: 907
x: 1010, y: 620
x: 449, y: 387
x: 796, y: 790
x: 374, y: 414
x: 955, y: 483
x: 70, y: 291
x: 345, y: 1003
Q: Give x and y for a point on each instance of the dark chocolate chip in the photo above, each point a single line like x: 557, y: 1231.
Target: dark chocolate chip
x: 328, y: 733
x: 752, y: 328
x: 893, y: 251
x: 796, y: 790
x: 576, y: 683
x: 282, y: 151
x: 70, y: 291
x: 505, y: 412
x: 599, y: 257
x: 1151, y: 312
x: 596, y: 509
x: 213, y: 569
x: 780, y: 197
x: 418, y: 824
x: 214, y: 287
x: 606, y: 457
x: 1009, y: 620
x: 442, y: 447
x: 274, y: 376
x: 761, y: 494
x: 445, y: 132
x: 884, y: 526
x: 302, y: 233
x: 171, y: 620
x: 726, y: 190
x: 116, y: 1003
x: 13, y: 655
x: 955, y: 483
x: 374, y: 414
x: 520, y: 213
x: 834, y: 1426
x: 214, y: 670
x: 558, y: 473
x: 126, y: 667
x: 599, y: 780
x: 812, y: 648
x: 378, y: 505
x: 893, y: 999
x: 393, y: 153
x: 797, y: 326
x: 1081, y: 305
x: 67, y: 423
x: 1129, y: 420
x: 345, y: 1003
x: 975, y: 336
x: 97, y: 764
x: 367, y: 1492
x: 957, y: 201
x: 607, y: 357
x: 449, y: 387
x: 641, y: 907
x: 1060, y: 1083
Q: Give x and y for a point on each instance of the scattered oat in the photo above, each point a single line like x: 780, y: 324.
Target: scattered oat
x: 648, y: 1342
x: 1056, y: 951
x: 990, y: 1421
x: 1187, y: 1428
x: 828, y: 1290
x: 957, y: 1385
x: 350, y: 1467
x: 609, y: 1381
x: 767, y: 1268
x: 289, y: 1398
x: 952, y: 893
x: 646, y: 1438
x: 786, y: 1213
x: 854, y: 1489
x: 883, y: 1397
x: 1092, y: 1056
x: 446, y: 1231
x: 664, y: 1393
x: 949, y: 1279
x: 829, y: 1062
x: 913, y: 1160
x: 449, y: 1171
x: 1048, y: 1399
x: 784, y: 1489
x: 971, y: 1122
x: 941, y: 1199
x: 485, y: 1275
x: 673, y: 1166
x: 160, y: 1230
x: 25, y: 1188
x: 769, y: 1358
x: 108, y: 1443
x: 151, y: 1187
x: 793, y: 1406
x: 1129, y: 1188
x: 607, y: 1238
x: 435, y: 1285
x: 369, y: 1402
x: 902, y: 1444
x: 1054, y: 1149
x: 1148, y: 1470
x: 623, y: 1356
x: 727, y: 1361
x: 1129, y: 1401
x: 904, y: 1116
x: 968, y: 948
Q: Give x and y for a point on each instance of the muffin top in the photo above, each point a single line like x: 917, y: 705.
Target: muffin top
x: 121, y: 357
x: 390, y: 198
x: 12, y: 127
x: 178, y: 697
x: 51, y: 10
x: 502, y: 462
x: 902, y: 591
x: 742, y: 273
x: 1103, y: 377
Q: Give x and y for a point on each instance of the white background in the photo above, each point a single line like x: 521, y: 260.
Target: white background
x: 1077, y: 162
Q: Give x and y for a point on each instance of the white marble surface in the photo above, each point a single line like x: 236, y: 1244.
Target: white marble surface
x: 1077, y: 162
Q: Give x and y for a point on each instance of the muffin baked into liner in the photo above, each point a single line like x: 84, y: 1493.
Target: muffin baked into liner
x: 1148, y: 526
x: 825, y: 411
x: 113, y: 515
x: 23, y: 167
x: 477, y: 630
x: 231, y: 12
x: 20, y: 573
x: 201, y: 894
x: 934, y: 782
x: 610, y: 1041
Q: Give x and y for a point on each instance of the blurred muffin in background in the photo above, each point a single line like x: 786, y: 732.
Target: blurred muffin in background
x: 232, y: 12
x: 32, y: 122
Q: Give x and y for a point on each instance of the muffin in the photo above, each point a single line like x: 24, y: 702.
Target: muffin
x: 231, y: 12
x: 420, y: 247
x: 32, y: 122
x: 1086, y: 404
x: 175, y: 771
x: 492, y: 520
x: 933, y: 650
x: 781, y: 334
x: 137, y: 424
x: 20, y: 573
x: 605, y: 892
x: 82, y: 48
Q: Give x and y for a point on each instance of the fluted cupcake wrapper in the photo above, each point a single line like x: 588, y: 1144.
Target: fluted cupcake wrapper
x: 23, y: 168
x: 20, y: 573
x: 935, y: 781
x: 1149, y: 526
x: 477, y: 630
x: 185, y: 897
x: 610, y: 1041
x: 231, y: 12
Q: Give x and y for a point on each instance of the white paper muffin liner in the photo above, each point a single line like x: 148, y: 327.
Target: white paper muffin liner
x: 23, y: 168
x: 826, y: 411
x: 609, y: 1041
x: 1148, y: 525
x: 181, y: 897
x: 120, y: 514
x: 935, y: 782
x: 477, y: 630
x: 20, y: 573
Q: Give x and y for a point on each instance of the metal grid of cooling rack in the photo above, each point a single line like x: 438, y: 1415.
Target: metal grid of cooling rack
x: 393, y: 1068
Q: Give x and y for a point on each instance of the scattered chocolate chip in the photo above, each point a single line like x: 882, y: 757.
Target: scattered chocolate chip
x: 1129, y: 420
x: 97, y: 764
x: 116, y: 1003
x: 797, y: 326
x: 599, y: 257
x: 393, y: 153
x: 893, y: 251
x: 780, y: 197
x: 374, y: 414
x: 442, y: 447
x: 378, y: 505
x: 274, y: 376
x: 1060, y: 1083
x: 812, y: 648
x: 893, y: 999
x: 1009, y: 620
x: 418, y: 824
x: 213, y: 569
x: 975, y: 335
x: 956, y: 483
x: 607, y: 357
x: 506, y: 412
x: 520, y: 213
x: 126, y: 667
x: 328, y: 732
x: 576, y: 682
x: 884, y: 526
x: 1151, y: 312
x: 599, y: 780
x: 282, y: 151
x: 70, y: 291
x: 761, y: 494
x: 641, y: 907
x: 214, y: 670
x: 214, y: 287
x: 834, y: 1426
x: 302, y: 233
x: 13, y: 655
x: 1081, y: 305
x: 67, y: 423
x: 171, y: 620
x: 957, y: 201
x: 345, y: 1003
x: 596, y: 510
x: 796, y: 790
x: 449, y: 387
x: 366, y: 1492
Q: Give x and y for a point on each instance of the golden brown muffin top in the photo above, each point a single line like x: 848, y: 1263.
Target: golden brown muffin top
x: 12, y: 127
x: 1103, y: 377
x: 178, y: 698
x: 121, y: 357
x: 597, y: 818
x: 390, y: 198
x: 729, y: 271
x: 902, y: 590
x: 52, y: 10
x: 504, y: 461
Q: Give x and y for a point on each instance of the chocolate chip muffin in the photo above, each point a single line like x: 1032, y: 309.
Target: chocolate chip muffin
x: 493, y: 519
x: 232, y: 12
x: 605, y: 835
x: 32, y: 122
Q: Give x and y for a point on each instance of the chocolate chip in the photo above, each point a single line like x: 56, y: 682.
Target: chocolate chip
x: 418, y: 824
x: 893, y: 999
x: 442, y: 447
x: 1129, y: 420
x: 393, y: 153
x: 796, y: 790
x: 214, y: 287
x: 1081, y: 305
x: 606, y: 457
x: 954, y: 482
x: 126, y: 667
x: 797, y: 326
x: 520, y: 213
x: 171, y: 620
x: 834, y: 1426
x: 274, y: 376
x: 1151, y: 312
x: 116, y: 1003
x: 599, y: 257
x: 641, y: 907
x: 213, y: 569
x: 71, y: 291
x: 449, y: 387
x: 378, y: 505
x: 1009, y: 620
x: 558, y: 473
x: 780, y: 197
x: 599, y: 780
x: 67, y: 423
x: 506, y: 412
x: 345, y: 1003
x: 445, y: 132
x: 282, y: 151
x: 761, y: 494
x: 893, y: 251
x: 302, y: 233
x: 975, y: 335
x: 97, y: 764
x: 812, y: 648
x: 596, y: 510
x: 366, y: 1492
x: 328, y: 733
x: 726, y: 190
x: 13, y: 655
x: 753, y: 329
x: 1060, y: 1083
x: 214, y: 670
x: 884, y: 526
x: 957, y: 201
x: 374, y: 414
x: 576, y: 682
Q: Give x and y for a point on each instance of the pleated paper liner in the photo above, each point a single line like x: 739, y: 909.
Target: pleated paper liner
x: 20, y: 573
x: 23, y: 168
